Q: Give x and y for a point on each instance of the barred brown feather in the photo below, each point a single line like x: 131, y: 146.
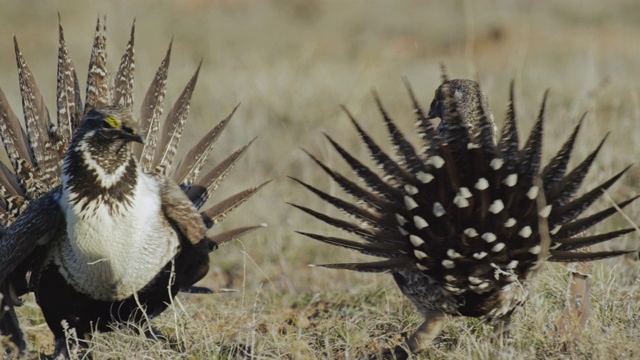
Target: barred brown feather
x: 97, y: 93
x: 122, y: 89
x: 207, y: 184
x: 152, y: 109
x: 173, y: 127
x: 188, y: 170
x: 69, y: 103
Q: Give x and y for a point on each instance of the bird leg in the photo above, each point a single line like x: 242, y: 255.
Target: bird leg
x: 61, y: 349
x: 502, y: 326
x: 152, y: 333
x: 68, y: 344
x: 10, y: 326
x: 576, y: 313
x: 427, y: 331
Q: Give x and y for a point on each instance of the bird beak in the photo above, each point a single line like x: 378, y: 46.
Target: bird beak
x: 435, y: 111
x: 139, y: 138
x: 132, y: 135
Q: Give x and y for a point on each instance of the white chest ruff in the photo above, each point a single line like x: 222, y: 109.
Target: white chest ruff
x: 111, y: 256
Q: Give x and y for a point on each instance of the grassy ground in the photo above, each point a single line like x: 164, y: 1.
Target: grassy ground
x: 290, y: 64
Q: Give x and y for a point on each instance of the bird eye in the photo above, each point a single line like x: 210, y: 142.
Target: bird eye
x: 113, y: 122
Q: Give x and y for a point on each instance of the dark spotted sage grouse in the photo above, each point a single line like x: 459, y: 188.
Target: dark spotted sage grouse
x: 102, y: 231
x: 463, y: 223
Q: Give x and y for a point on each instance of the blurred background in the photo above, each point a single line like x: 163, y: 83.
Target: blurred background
x: 291, y: 63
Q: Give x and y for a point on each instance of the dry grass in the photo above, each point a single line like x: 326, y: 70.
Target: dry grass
x: 290, y: 63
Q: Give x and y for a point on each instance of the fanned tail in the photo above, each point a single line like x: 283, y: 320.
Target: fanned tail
x: 470, y: 207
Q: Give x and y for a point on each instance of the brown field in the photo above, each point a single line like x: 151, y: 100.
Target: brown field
x: 290, y: 64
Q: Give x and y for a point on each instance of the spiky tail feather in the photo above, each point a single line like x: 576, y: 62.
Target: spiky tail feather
x: 469, y: 207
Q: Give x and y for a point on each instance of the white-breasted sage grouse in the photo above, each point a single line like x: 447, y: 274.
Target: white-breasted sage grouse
x: 90, y: 229
x: 464, y: 222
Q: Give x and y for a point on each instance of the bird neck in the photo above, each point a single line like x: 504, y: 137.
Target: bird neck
x: 95, y: 168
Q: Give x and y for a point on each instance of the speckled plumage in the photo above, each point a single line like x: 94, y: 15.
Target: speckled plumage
x: 98, y: 231
x: 464, y: 223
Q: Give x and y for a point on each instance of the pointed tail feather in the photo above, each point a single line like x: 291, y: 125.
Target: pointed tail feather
x: 384, y: 266
x: 365, y: 174
x: 151, y: 111
x: 10, y: 182
x: 173, y: 126
x: 403, y: 148
x: 486, y: 136
x: 38, y: 123
x: 372, y: 219
x: 69, y: 103
x: 584, y: 241
x: 571, y: 256
x: 391, y: 169
x: 208, y: 183
x: 217, y: 240
x: 13, y: 135
x: 508, y: 145
x: 122, y: 90
x: 188, y: 171
x: 219, y: 211
x: 577, y: 226
x: 206, y: 291
x: 555, y: 170
x: 351, y: 188
x: 567, y: 187
x: 35, y: 113
x: 529, y: 157
x: 383, y: 250
x: 431, y: 139
x: 98, y: 93
x: 366, y: 234
x: 573, y: 209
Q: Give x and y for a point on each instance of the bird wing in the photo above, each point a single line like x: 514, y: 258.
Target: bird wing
x: 192, y: 261
x: 181, y: 212
x: 34, y: 227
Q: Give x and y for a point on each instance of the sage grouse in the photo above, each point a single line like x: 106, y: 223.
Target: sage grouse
x: 463, y: 223
x: 92, y: 231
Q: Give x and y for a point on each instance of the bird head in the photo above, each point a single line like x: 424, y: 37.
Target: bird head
x: 100, y: 145
x: 468, y: 98
x: 113, y: 124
